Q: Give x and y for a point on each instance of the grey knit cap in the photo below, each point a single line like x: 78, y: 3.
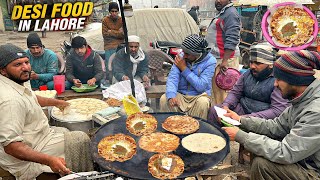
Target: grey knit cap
x: 9, y: 53
x: 34, y: 40
x: 194, y: 45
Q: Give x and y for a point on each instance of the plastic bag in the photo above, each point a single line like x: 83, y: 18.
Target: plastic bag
x: 123, y: 88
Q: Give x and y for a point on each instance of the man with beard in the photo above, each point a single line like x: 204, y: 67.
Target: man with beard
x: 44, y: 62
x: 83, y: 64
x: 112, y: 33
x: 223, y: 36
x: 287, y: 147
x: 29, y: 146
x: 137, y: 66
x: 188, y: 87
x: 254, y: 93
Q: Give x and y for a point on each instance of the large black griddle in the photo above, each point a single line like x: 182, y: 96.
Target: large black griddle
x: 137, y: 167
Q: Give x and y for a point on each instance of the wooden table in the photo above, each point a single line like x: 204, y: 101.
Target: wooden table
x: 70, y: 94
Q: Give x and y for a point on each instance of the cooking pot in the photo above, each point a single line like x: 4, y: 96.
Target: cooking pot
x: 78, y: 125
x: 78, y: 116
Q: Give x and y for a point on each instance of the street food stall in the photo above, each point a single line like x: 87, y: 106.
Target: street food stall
x: 92, y: 110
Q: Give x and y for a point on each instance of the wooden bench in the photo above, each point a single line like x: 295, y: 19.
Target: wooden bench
x: 70, y: 94
x: 156, y: 91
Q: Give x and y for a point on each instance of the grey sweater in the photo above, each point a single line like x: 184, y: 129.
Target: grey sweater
x: 292, y: 137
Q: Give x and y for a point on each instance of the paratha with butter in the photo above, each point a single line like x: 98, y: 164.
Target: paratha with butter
x: 291, y: 25
x: 165, y: 166
x: 203, y: 143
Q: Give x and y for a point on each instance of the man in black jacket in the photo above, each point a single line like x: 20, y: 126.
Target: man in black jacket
x: 83, y: 64
x: 193, y: 13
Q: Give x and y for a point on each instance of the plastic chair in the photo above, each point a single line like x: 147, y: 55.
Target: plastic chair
x: 110, y: 75
x: 156, y: 60
x: 62, y: 63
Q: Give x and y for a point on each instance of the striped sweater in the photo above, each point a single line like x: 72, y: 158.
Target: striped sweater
x: 224, y: 32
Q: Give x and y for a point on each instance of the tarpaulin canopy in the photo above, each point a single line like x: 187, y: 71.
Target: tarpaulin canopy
x: 269, y: 2
x: 163, y: 24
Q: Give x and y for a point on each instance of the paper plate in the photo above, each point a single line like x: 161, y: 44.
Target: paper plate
x: 227, y: 79
x: 265, y: 24
x: 84, y: 88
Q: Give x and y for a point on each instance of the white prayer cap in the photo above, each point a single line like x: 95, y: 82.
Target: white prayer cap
x: 133, y: 38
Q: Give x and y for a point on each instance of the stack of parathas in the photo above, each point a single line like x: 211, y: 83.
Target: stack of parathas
x: 118, y: 147
x: 140, y: 124
x: 291, y: 26
x: 181, y: 124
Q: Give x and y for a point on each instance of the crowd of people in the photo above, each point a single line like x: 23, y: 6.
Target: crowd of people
x: 276, y: 100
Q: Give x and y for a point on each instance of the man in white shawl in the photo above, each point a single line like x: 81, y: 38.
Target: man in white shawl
x: 137, y: 66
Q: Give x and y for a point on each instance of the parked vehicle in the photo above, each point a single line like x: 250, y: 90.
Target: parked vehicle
x: 153, y: 24
x: 170, y: 48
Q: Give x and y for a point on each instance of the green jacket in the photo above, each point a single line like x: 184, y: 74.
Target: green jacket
x: 293, y: 137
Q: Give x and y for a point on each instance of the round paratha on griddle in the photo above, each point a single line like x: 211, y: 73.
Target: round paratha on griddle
x: 165, y: 166
x: 118, y: 147
x: 203, y: 143
x: 180, y: 124
x: 159, y: 142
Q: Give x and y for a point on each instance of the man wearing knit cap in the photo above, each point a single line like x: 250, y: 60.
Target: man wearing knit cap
x: 112, y: 33
x: 287, y: 147
x: 188, y: 86
x: 44, y: 62
x: 83, y: 64
x: 254, y: 93
x: 137, y: 66
x: 29, y: 146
